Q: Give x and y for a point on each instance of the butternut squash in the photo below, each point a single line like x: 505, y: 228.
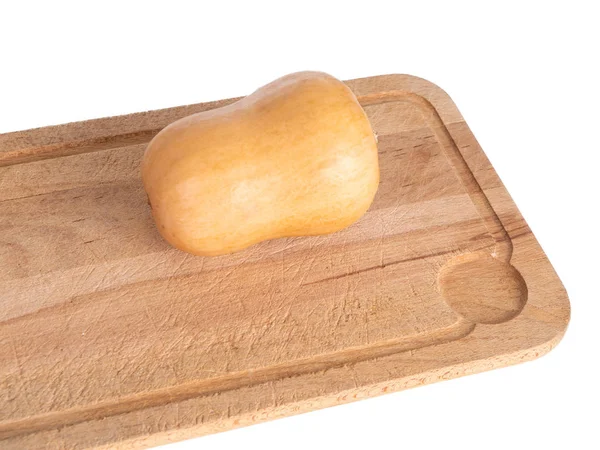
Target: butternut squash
x: 296, y: 157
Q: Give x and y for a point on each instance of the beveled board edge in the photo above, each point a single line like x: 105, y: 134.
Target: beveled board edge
x: 321, y: 389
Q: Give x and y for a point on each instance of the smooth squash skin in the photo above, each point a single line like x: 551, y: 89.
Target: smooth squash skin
x: 297, y: 157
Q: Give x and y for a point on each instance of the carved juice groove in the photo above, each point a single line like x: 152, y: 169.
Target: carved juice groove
x: 348, y: 356
x: 92, y: 135
x: 232, y: 381
x: 503, y: 248
x: 32, y: 154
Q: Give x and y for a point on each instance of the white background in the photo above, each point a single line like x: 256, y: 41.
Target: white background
x: 523, y: 74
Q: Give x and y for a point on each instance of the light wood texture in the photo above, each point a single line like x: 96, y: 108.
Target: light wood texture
x: 110, y: 338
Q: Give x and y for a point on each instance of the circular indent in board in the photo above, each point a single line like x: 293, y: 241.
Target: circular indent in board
x: 481, y: 288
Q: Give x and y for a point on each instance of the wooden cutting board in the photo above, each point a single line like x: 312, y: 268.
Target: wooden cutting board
x: 109, y: 337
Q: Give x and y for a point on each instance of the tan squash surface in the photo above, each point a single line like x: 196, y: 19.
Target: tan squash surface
x: 297, y: 157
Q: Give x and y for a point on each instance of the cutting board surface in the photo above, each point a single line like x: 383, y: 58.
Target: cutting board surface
x: 110, y: 337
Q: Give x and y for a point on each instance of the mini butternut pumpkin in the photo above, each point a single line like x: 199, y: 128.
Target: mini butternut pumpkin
x: 296, y: 157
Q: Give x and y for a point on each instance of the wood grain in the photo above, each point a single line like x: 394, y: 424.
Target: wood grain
x: 109, y: 337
